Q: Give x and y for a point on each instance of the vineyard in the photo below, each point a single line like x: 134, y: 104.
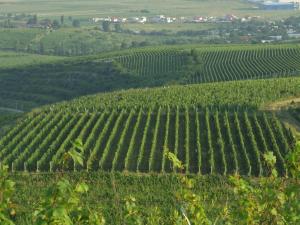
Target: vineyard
x: 296, y: 114
x: 216, y: 64
x: 154, y: 62
x: 150, y: 191
x: 237, y: 64
x: 238, y: 94
x: 208, y: 141
x: 53, y: 80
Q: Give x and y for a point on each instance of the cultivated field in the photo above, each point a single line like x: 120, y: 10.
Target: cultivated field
x: 92, y: 8
x: 44, y: 80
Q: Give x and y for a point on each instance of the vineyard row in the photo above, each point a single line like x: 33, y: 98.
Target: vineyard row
x: 206, y: 141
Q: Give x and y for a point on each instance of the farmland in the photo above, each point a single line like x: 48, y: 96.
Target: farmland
x: 136, y: 140
x: 53, y: 79
x: 14, y: 60
x: 150, y: 191
x: 133, y: 7
x: 131, y: 130
x: 149, y: 118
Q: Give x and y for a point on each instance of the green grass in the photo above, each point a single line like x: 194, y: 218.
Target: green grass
x: 92, y: 8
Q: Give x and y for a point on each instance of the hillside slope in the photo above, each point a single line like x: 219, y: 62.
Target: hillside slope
x: 32, y: 85
x: 209, y: 127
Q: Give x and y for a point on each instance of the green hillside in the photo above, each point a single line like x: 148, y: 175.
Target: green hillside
x: 234, y: 94
x: 130, y: 108
x: 33, y: 83
x: 210, y: 127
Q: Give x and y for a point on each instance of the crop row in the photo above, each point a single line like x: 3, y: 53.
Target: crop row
x: 151, y: 63
x: 226, y: 65
x: 207, y: 141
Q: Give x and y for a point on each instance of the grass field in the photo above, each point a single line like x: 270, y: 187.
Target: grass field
x: 92, y: 8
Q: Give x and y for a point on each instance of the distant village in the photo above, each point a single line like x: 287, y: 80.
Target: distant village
x: 260, y: 4
x: 168, y: 19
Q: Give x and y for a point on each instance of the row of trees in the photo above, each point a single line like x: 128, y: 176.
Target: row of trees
x: 52, y: 23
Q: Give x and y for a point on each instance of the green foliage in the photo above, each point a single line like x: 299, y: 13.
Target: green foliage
x: 293, y: 162
x: 269, y: 200
x: 177, y: 164
x: 190, y: 205
x: 7, y: 188
x: 76, y: 23
x: 147, y: 67
x: 132, y: 214
x: 239, y: 94
x: 223, y: 64
x: 62, y: 205
x: 106, y: 26
x: 75, y: 155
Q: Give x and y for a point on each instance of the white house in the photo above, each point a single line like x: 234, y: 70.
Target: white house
x: 143, y: 19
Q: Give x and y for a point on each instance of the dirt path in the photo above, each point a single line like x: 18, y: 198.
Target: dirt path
x: 275, y: 106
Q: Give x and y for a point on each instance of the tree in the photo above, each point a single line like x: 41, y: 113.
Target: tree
x: 62, y: 19
x: 76, y: 23
x: 17, y: 45
x: 33, y: 20
x: 42, y: 48
x: 106, y: 26
x: 55, y: 24
x: 118, y: 27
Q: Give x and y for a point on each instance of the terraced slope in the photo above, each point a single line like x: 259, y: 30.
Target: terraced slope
x: 29, y: 86
x: 207, y: 141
